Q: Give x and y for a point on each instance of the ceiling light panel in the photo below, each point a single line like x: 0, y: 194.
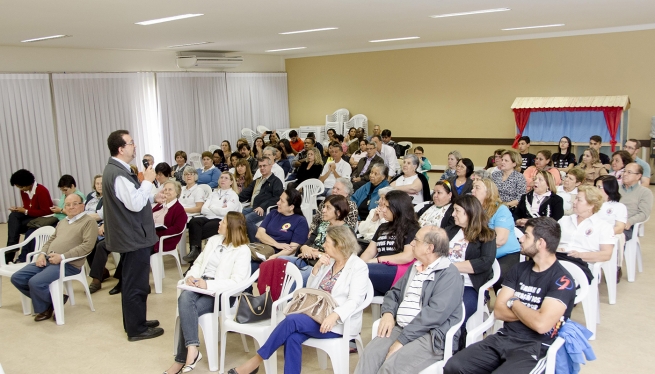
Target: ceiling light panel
x: 394, y: 39
x: 168, y: 19
x: 44, y: 38
x: 187, y: 45
x: 471, y: 13
x: 311, y: 30
x: 533, y: 27
x: 285, y: 49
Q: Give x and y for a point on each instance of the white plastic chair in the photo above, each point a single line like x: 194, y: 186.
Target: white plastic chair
x: 356, y: 121
x: 157, y: 261
x: 336, y: 120
x: 587, y: 294
x: 633, y: 251
x: 311, y: 188
x: 260, y: 331
x: 195, y: 159
x: 478, y: 317
x: 40, y: 236
x: 57, y: 289
x: 609, y: 269
x: 250, y: 135
x: 437, y: 367
x: 376, y: 306
x: 213, y: 147
x: 338, y: 349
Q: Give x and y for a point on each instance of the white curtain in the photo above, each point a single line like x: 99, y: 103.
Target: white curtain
x: 27, y: 135
x: 193, y: 112
x: 90, y: 106
x: 258, y: 99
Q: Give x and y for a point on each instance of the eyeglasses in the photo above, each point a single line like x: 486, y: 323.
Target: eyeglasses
x: 630, y: 172
x: 70, y: 205
x: 600, y: 187
x: 416, y: 239
x: 130, y: 143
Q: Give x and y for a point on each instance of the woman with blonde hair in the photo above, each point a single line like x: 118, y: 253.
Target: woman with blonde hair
x: 311, y: 168
x: 592, y: 166
x: 542, y: 201
x: 242, y: 174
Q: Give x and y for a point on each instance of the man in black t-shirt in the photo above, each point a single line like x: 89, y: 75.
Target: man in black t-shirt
x: 524, y: 150
x: 535, y: 299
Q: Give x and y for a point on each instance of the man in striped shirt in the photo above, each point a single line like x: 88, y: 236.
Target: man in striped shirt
x: 417, y: 311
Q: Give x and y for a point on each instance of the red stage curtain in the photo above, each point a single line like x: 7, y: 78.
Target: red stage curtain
x: 613, y: 119
x: 521, y: 117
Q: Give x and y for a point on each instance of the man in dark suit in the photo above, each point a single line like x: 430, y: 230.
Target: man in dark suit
x: 359, y: 176
x: 261, y: 193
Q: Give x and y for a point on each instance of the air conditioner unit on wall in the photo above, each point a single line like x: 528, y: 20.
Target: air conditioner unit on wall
x: 190, y: 60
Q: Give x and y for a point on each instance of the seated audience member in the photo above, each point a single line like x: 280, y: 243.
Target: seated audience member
x: 310, y: 168
x: 272, y: 153
x: 388, y: 154
x: 352, y: 140
x: 342, y: 274
x: 226, y: 147
x: 312, y: 136
x: 222, y: 200
x: 439, y: 211
x: 542, y: 201
x: 74, y: 237
x: 366, y: 229
x: 416, y: 185
x: 337, y: 168
x: 637, y: 199
x: 242, y: 174
x: 273, y: 139
x: 612, y: 211
x: 595, y: 142
x: 358, y: 154
x: 192, y: 196
x: 93, y: 202
x: 424, y: 164
x: 480, y: 174
x: 169, y: 216
x: 524, y: 151
x: 241, y: 141
x: 389, y: 253
x: 453, y: 159
x: 498, y: 154
x: 219, y: 160
x: 332, y: 137
x: 569, y: 188
x: 151, y: 161
x: 36, y: 203
x: 281, y: 159
x: 472, y: 250
x: 426, y: 302
x: 208, y: 174
x: 591, y: 165
x: 244, y: 150
x: 296, y: 143
x: 619, y: 160
x: 180, y: 164
x: 461, y: 183
x: 302, y: 155
x: 335, y: 210
x: 224, y: 264
x: 344, y: 188
x: 262, y: 193
x: 536, y: 297
x: 376, y: 131
x: 361, y: 173
x: 508, y: 179
x: 542, y: 162
x: 386, y: 138
x: 585, y: 235
x: 291, y: 153
x: 234, y: 157
x: 633, y: 146
x: 164, y: 174
x: 564, y: 159
x: 502, y: 222
x: 366, y: 197
x: 258, y: 147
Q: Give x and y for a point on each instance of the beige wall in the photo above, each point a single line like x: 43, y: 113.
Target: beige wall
x: 34, y: 59
x: 466, y: 90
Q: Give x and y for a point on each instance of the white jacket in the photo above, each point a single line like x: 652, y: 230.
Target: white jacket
x: 233, y: 266
x: 219, y: 203
x: 349, y: 292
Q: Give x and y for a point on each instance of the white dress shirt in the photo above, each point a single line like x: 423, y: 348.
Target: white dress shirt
x: 133, y: 199
x: 343, y: 169
x: 388, y: 154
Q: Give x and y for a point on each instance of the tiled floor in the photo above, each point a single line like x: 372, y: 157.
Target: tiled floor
x: 94, y: 342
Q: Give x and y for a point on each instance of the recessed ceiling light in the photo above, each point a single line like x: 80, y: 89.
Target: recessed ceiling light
x: 312, y: 30
x: 394, y: 39
x: 533, y: 27
x: 472, y: 12
x: 44, y: 38
x: 285, y: 49
x: 168, y: 19
x: 186, y: 45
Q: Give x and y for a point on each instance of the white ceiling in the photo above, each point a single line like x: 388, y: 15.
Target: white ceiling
x: 252, y: 26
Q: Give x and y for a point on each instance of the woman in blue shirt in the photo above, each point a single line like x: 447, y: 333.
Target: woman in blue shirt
x: 208, y: 174
x: 502, y: 222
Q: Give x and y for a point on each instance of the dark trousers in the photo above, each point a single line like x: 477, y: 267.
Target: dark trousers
x: 202, y: 228
x: 499, y: 354
x: 252, y: 219
x: 16, y: 225
x: 382, y: 276
x: 98, y: 260
x: 135, y: 272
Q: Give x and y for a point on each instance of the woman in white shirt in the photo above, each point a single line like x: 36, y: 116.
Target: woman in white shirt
x: 224, y: 264
x: 612, y: 211
x: 569, y: 188
x: 584, y: 234
x: 409, y: 181
x: 192, y: 197
x: 375, y: 218
x: 224, y: 199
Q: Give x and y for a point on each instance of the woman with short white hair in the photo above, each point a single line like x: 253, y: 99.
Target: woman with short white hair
x: 192, y: 196
x: 409, y: 181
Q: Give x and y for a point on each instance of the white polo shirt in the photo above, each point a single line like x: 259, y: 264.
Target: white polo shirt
x: 613, y: 211
x: 586, y: 237
x: 343, y: 169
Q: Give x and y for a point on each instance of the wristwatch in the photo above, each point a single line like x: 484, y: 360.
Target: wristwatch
x: 510, y: 302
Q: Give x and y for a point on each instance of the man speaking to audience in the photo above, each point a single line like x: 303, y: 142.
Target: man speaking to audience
x: 130, y: 230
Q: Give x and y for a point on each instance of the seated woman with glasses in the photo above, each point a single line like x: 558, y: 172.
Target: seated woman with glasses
x: 462, y: 183
x: 192, y: 196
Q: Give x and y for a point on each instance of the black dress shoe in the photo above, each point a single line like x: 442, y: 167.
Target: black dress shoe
x: 151, y: 332
x: 193, y: 254
x: 44, y: 315
x: 152, y: 323
x: 234, y: 371
x: 116, y: 290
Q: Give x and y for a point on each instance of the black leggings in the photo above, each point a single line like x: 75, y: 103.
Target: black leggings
x: 202, y: 228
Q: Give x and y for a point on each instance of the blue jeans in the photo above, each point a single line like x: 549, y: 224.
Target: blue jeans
x: 303, y: 266
x: 191, y: 305
x: 34, y: 282
x: 252, y: 219
x: 382, y: 276
x: 470, y: 303
x: 292, y: 332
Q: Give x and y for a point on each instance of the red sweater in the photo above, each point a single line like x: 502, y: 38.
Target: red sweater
x: 175, y: 221
x: 40, y: 204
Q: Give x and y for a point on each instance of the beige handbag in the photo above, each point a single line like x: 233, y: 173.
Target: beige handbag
x: 317, y: 304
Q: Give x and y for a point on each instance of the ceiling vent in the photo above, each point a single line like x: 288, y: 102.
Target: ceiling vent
x: 200, y: 60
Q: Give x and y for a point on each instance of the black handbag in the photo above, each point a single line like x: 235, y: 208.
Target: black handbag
x: 254, y: 308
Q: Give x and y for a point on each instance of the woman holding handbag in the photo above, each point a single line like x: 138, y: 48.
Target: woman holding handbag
x: 342, y: 274
x: 224, y: 263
